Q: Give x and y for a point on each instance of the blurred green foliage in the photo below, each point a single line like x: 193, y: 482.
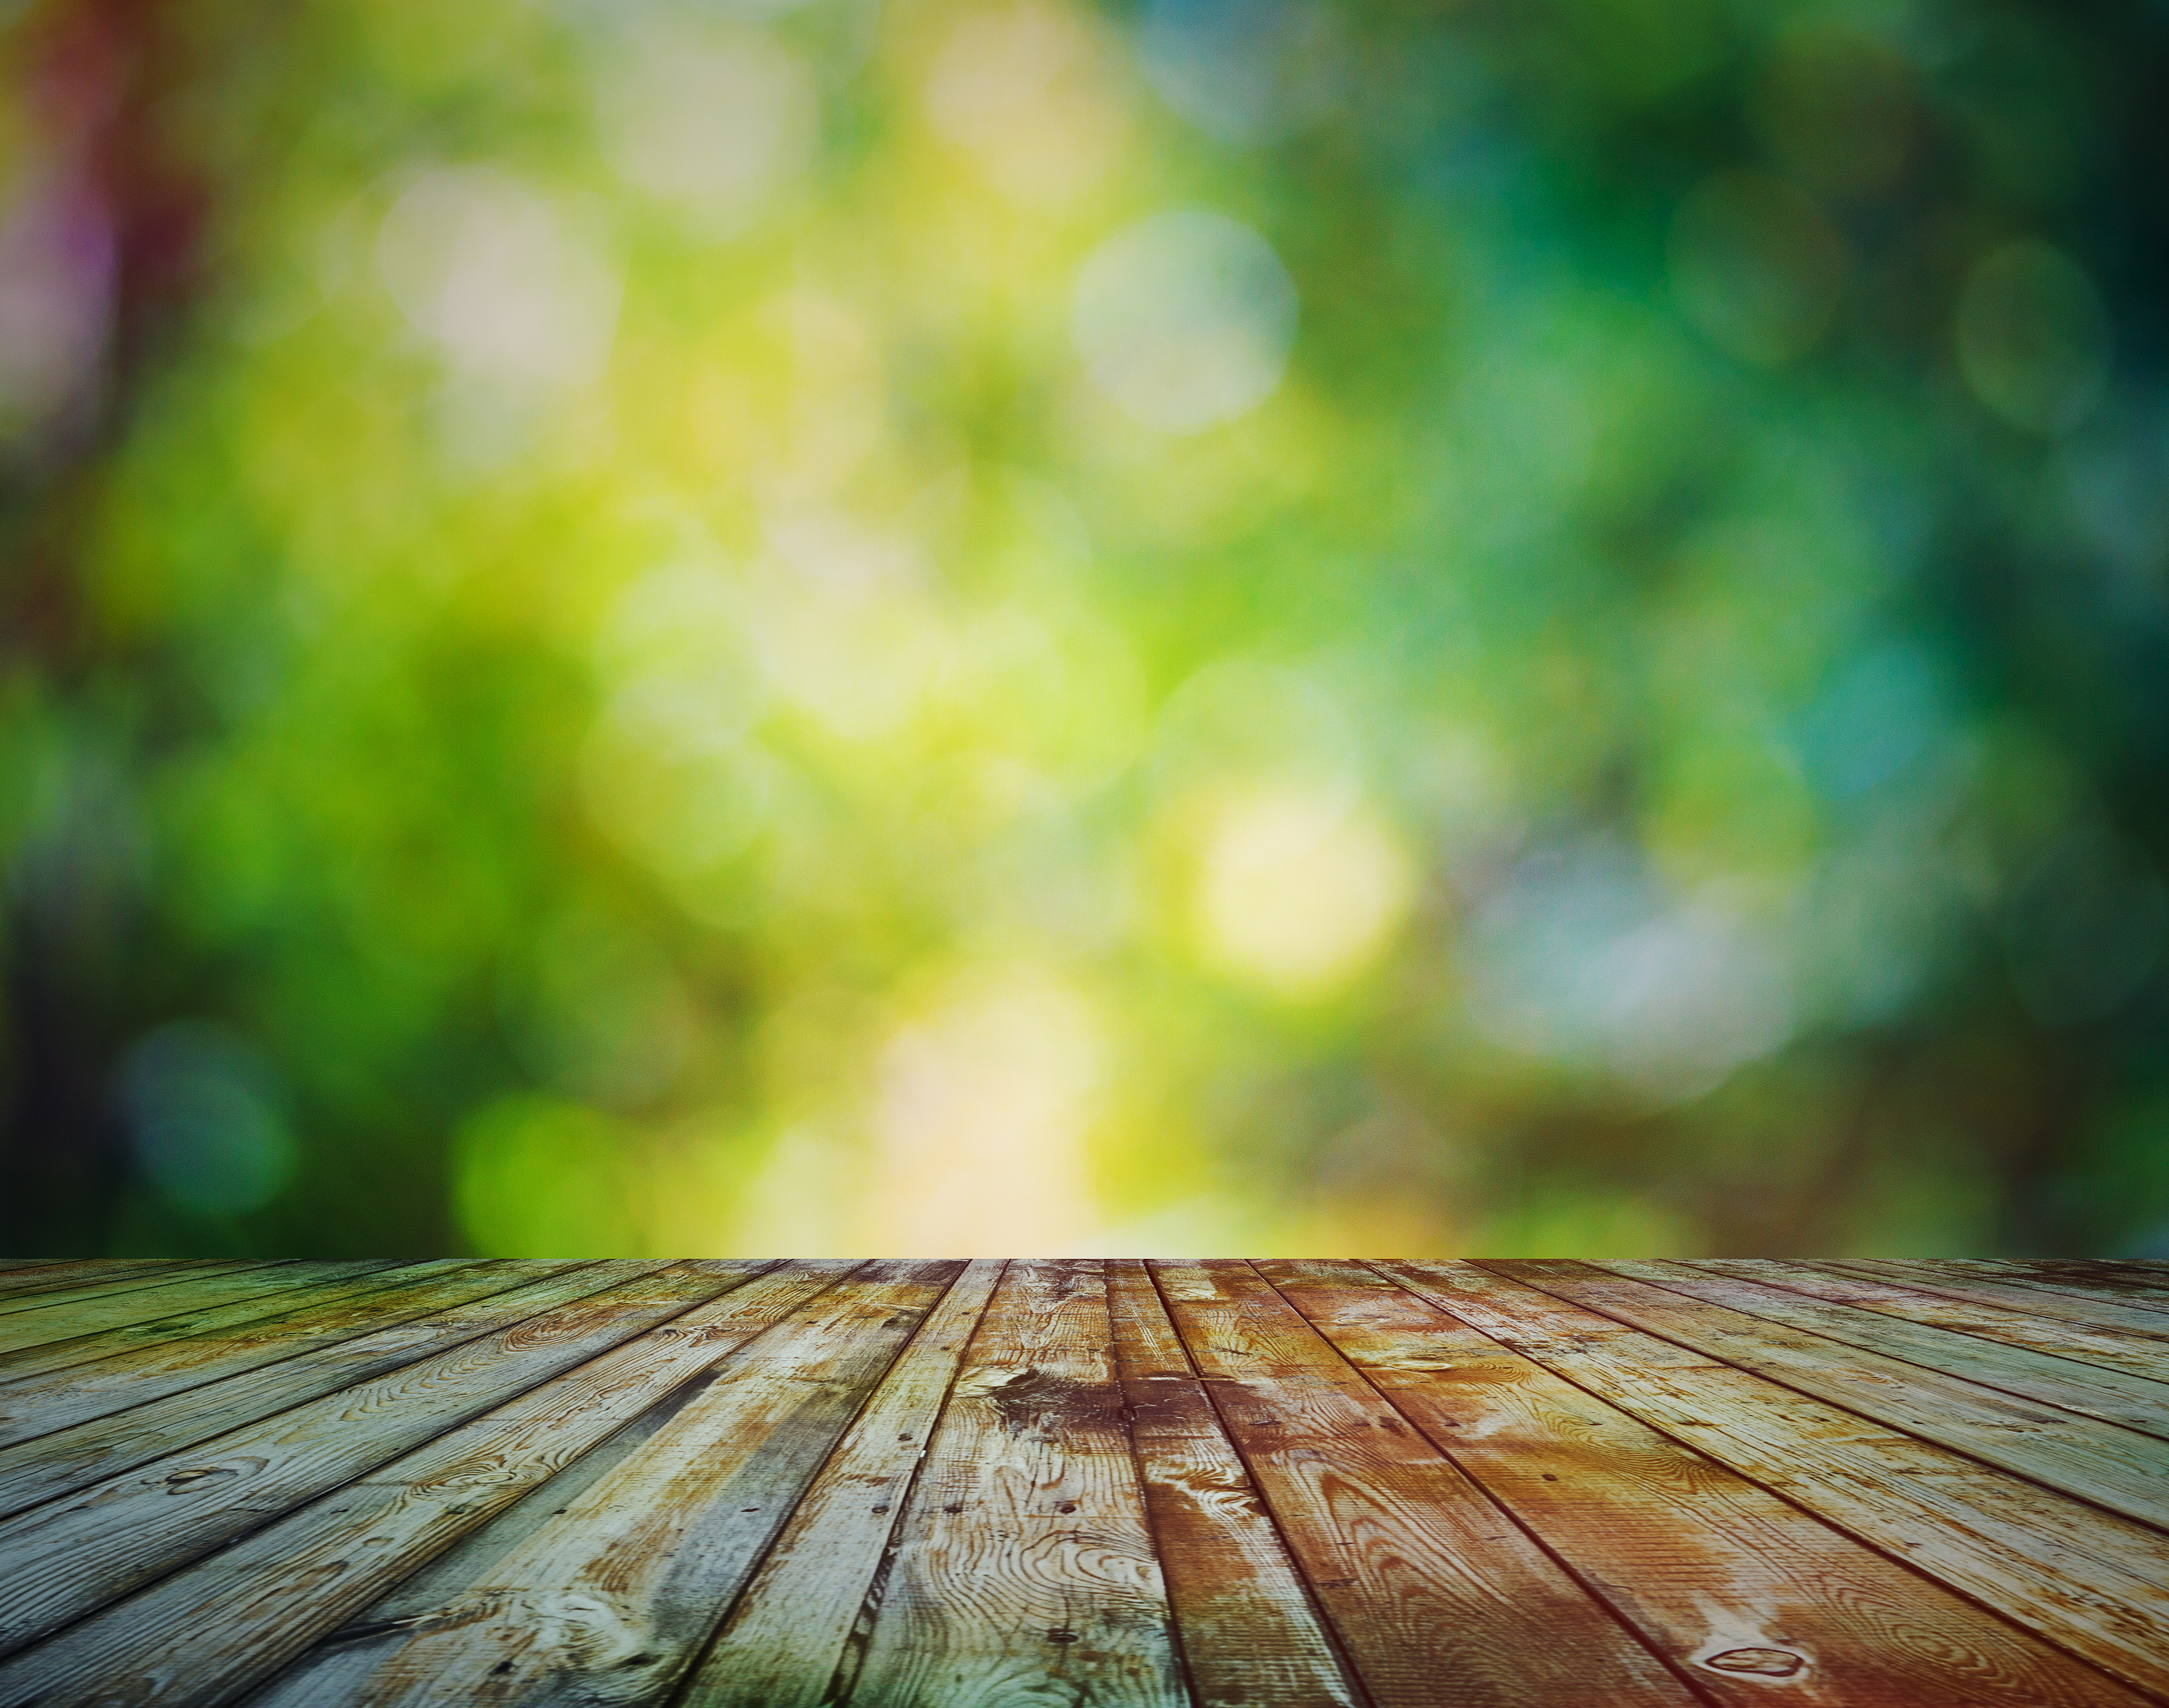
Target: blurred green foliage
x: 731, y: 626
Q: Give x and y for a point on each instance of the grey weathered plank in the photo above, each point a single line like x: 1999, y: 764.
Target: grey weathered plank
x: 63, y: 1333
x: 1440, y: 1599
x: 786, y: 1636
x: 69, y: 1274
x: 2135, y: 1402
x: 44, y: 1461
x: 1023, y: 1571
x: 613, y: 1593
x: 2087, y: 1580
x: 70, y: 1557
x: 218, y: 1628
x: 136, y: 1278
x: 193, y: 1326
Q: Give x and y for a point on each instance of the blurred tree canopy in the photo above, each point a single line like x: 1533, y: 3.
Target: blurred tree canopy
x: 715, y: 626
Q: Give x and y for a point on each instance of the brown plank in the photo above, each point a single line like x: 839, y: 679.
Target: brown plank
x: 213, y: 1630
x: 160, y: 1311
x: 1249, y: 1629
x: 612, y: 1592
x: 1713, y: 1569
x: 1437, y: 1597
x: 117, y: 1436
x: 2033, y: 1301
x: 786, y: 1636
x: 2106, y: 1348
x: 1023, y: 1569
x: 2084, y: 1579
x: 2133, y: 1402
x: 67, y: 1557
x: 26, y: 1363
x: 137, y: 1279
x: 2117, y: 1468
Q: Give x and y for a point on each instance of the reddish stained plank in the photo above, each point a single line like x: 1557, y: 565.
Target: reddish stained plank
x: 1249, y: 1632
x: 1439, y: 1598
x: 1715, y: 1571
x: 2087, y: 1581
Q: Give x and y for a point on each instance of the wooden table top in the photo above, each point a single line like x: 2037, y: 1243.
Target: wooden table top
x: 1055, y: 1484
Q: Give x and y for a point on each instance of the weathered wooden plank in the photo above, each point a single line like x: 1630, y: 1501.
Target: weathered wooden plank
x: 2118, y: 1468
x: 64, y: 1323
x: 117, y: 1436
x: 2133, y: 1402
x: 2033, y: 1301
x: 68, y: 1273
x: 612, y: 1594
x: 70, y: 1557
x: 1438, y: 1598
x: 2082, y: 1279
x: 2085, y: 1579
x: 211, y: 1631
x: 785, y: 1638
x: 1737, y: 1586
x: 136, y: 1279
x: 26, y: 1363
x: 2105, y: 1348
x: 1023, y: 1569
x: 1249, y: 1632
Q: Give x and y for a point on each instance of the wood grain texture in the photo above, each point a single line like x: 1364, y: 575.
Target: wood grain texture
x: 1704, y: 1562
x: 67, y: 1321
x: 613, y: 1593
x: 44, y: 1461
x: 2103, y: 1347
x: 69, y: 1556
x: 2117, y: 1468
x: 1251, y: 1630
x: 2136, y: 1402
x: 226, y: 1301
x: 66, y: 1275
x: 1084, y: 1484
x: 1439, y: 1598
x: 211, y: 1631
x: 2052, y: 1302
x: 2128, y: 1283
x: 2087, y: 1581
x: 1023, y: 1572
x: 786, y: 1637
x: 145, y: 1278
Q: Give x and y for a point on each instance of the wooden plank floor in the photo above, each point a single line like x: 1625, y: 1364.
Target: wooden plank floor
x: 1078, y: 1483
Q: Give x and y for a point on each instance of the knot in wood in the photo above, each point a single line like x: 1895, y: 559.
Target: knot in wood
x: 1771, y: 1663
